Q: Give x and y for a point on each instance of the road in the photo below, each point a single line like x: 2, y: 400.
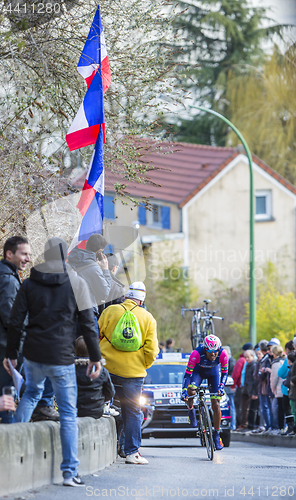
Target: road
x: 178, y: 468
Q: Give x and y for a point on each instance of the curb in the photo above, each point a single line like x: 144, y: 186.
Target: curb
x: 30, y: 453
x: 265, y: 440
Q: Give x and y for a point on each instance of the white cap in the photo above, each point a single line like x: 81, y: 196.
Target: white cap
x: 137, y: 290
x: 274, y: 341
x: 294, y: 341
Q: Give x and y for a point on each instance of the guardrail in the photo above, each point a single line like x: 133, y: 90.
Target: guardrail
x: 30, y: 453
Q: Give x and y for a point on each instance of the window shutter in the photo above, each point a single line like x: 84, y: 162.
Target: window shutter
x: 142, y: 215
x: 166, y: 217
x: 109, y: 207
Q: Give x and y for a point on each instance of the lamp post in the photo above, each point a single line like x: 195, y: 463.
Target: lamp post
x: 136, y: 226
x: 252, y: 288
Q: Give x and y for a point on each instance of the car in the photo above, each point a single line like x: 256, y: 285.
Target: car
x: 164, y: 413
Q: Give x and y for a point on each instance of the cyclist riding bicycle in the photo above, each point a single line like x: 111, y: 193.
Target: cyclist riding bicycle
x: 208, y: 361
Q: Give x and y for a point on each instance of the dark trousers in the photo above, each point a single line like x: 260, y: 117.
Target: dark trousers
x: 245, y: 405
x: 253, y: 416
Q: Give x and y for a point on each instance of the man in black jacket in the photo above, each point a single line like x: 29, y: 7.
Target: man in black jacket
x: 16, y: 253
x: 49, y: 298
x: 92, y: 265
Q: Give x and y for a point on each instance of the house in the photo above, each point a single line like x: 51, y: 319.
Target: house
x: 200, y: 211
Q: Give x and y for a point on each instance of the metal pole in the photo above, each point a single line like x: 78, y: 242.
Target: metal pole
x: 252, y: 288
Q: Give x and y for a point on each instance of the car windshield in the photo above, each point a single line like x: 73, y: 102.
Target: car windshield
x: 165, y: 374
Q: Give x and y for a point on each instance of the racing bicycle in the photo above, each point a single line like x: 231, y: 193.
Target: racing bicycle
x: 201, y: 326
x: 204, y: 423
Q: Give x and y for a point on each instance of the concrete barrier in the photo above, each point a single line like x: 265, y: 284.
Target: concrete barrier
x: 30, y: 454
x: 265, y: 439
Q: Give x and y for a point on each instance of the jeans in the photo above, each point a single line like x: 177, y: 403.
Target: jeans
x: 265, y: 405
x: 232, y: 411
x: 275, y: 413
x: 6, y: 380
x: 63, y: 379
x: 129, y: 391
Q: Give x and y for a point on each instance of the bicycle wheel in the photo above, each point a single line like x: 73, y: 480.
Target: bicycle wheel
x: 206, y: 429
x: 195, y: 333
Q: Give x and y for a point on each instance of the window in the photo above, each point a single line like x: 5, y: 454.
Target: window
x: 158, y: 216
x: 263, y: 205
x: 109, y: 207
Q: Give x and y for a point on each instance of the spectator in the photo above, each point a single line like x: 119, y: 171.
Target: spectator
x: 92, y: 265
x: 264, y: 385
x: 283, y: 372
x: 48, y: 298
x: 17, y: 255
x: 248, y: 390
x: 275, y: 385
x: 292, y: 390
x: 7, y: 403
x: 92, y: 394
x: 116, y: 294
x: 161, y: 346
x: 169, y: 347
x: 236, y: 375
x: 259, y: 421
x: 127, y: 369
x: 230, y: 390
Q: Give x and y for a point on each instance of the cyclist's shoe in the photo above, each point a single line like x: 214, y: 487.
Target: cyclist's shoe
x: 192, y: 417
x: 218, y: 441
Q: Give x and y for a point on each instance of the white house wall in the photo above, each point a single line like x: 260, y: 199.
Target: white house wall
x: 216, y: 228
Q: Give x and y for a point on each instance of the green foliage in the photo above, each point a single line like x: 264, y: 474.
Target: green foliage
x: 265, y: 101
x: 165, y: 299
x: 217, y: 37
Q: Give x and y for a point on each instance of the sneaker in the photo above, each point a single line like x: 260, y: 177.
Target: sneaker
x: 136, y: 458
x: 218, y: 441
x: 274, y: 432
x: 121, y: 453
x: 259, y: 430
x: 192, y: 417
x: 45, y: 413
x: 73, y: 481
x: 114, y: 413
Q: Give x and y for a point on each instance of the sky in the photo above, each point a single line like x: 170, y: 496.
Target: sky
x: 283, y: 11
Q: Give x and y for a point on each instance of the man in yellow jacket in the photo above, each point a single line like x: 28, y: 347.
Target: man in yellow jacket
x: 128, y: 368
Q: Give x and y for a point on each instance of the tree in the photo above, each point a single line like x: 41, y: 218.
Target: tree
x: 217, y: 37
x: 41, y: 90
x: 263, y: 107
x: 165, y: 299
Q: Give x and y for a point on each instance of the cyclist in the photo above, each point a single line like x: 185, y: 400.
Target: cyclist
x: 208, y: 361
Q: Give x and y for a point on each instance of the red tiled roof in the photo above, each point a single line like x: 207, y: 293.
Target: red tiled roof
x: 181, y: 174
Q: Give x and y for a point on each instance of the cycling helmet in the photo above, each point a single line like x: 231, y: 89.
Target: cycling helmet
x: 212, y: 343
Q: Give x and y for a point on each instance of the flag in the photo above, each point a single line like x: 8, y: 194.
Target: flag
x: 91, y: 203
x: 94, y: 66
x: 95, y: 54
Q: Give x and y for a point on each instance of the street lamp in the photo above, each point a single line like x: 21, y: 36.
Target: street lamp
x: 136, y: 226
x: 252, y: 289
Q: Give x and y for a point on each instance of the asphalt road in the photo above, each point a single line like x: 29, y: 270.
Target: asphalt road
x: 179, y: 468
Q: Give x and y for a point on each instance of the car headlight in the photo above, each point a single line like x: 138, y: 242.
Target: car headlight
x: 143, y: 401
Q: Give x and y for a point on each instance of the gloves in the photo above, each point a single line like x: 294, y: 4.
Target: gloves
x: 220, y: 389
x: 184, y: 394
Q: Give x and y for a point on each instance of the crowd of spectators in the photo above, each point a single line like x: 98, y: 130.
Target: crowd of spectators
x: 49, y: 331
x: 264, y: 390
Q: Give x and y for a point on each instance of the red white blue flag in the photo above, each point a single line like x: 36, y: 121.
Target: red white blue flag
x: 94, y: 66
x: 88, y: 128
x: 91, y: 203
